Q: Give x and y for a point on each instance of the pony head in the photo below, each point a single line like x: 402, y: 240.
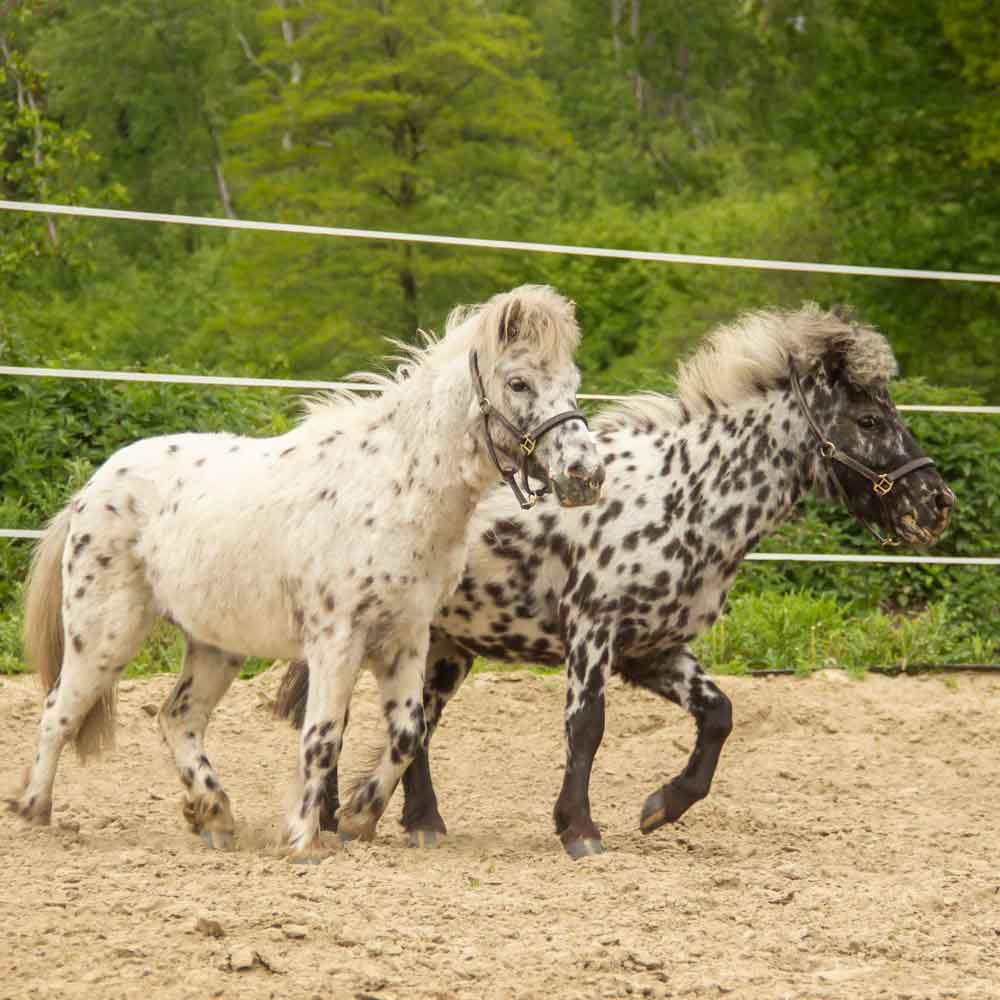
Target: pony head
x: 838, y: 371
x: 523, y: 343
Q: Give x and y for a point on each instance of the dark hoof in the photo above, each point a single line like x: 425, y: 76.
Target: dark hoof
x: 347, y: 838
x: 218, y: 840
x: 583, y: 847
x: 665, y: 805
x: 425, y: 838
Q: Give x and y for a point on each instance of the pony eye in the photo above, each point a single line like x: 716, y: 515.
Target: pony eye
x: 868, y: 422
x: 517, y: 384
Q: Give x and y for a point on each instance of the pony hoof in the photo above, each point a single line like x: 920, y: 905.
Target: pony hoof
x: 583, y: 847
x: 667, y: 804
x: 218, y: 840
x: 306, y: 859
x: 30, y: 813
x: 654, y: 813
x: 425, y: 838
x: 353, y: 828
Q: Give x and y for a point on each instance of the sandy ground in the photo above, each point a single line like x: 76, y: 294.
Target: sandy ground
x: 850, y: 849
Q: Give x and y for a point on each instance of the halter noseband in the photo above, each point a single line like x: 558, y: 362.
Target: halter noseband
x: 526, y: 497
x: 882, y: 482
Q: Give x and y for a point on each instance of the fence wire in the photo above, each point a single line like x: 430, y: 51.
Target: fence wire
x: 489, y: 244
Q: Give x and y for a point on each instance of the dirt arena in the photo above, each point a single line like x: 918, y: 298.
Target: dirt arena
x: 850, y: 849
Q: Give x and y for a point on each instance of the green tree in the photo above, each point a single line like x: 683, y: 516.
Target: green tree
x: 384, y: 114
x: 889, y: 114
x: 41, y: 160
x: 159, y: 115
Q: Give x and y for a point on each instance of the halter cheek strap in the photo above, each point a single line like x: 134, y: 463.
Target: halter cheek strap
x: 524, y: 494
x: 882, y: 482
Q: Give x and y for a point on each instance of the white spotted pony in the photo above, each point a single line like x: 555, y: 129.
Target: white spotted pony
x: 242, y: 543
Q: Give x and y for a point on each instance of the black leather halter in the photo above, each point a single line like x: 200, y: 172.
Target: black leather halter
x: 526, y: 497
x: 882, y: 482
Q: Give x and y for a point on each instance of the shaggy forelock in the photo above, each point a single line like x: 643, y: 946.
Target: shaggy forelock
x: 535, y: 316
x: 743, y: 359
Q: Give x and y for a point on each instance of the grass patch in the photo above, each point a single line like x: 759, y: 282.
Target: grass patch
x: 806, y: 632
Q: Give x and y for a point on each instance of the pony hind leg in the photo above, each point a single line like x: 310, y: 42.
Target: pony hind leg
x: 401, y: 683
x: 447, y: 667
x: 102, y: 631
x: 207, y: 674
x: 678, y: 676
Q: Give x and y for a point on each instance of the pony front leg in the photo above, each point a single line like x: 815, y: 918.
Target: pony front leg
x: 333, y: 672
x: 401, y: 684
x: 678, y: 677
x: 207, y: 674
x: 587, y: 670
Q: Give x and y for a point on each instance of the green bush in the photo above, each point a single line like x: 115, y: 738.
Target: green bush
x: 55, y: 432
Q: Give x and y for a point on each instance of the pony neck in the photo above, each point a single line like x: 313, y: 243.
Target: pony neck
x: 452, y: 465
x: 772, y: 465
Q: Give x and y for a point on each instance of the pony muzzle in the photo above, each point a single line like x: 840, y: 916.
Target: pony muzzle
x: 924, y: 521
x: 578, y: 487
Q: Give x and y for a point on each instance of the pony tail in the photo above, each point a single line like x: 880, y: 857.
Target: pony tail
x: 43, y: 624
x: 293, y: 692
x: 43, y: 633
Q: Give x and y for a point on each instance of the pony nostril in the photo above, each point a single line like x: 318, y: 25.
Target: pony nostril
x: 944, y: 499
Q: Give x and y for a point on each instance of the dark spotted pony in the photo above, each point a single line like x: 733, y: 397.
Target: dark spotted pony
x: 770, y: 408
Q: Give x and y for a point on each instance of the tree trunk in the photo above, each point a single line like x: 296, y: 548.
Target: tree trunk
x: 638, y: 84
x: 408, y: 283
x: 25, y: 99
x: 224, y: 195
x: 295, y: 73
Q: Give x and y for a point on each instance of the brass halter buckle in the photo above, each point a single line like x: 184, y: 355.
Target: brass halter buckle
x: 528, y: 444
x: 882, y: 485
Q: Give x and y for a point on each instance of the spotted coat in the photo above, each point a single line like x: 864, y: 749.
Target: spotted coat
x: 693, y: 484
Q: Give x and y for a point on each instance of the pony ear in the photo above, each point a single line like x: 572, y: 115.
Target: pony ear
x: 835, y: 359
x: 510, y: 322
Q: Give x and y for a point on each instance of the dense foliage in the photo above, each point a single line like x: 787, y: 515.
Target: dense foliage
x: 796, y: 129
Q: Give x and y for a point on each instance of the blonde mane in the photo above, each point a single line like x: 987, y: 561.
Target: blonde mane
x: 745, y: 358
x: 535, y: 316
